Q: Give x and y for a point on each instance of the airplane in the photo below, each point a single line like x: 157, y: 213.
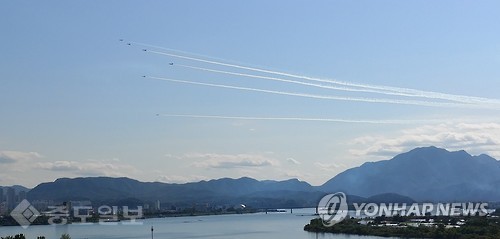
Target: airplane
x: 128, y: 44
x: 120, y: 39
x: 171, y: 63
x: 143, y: 76
x: 144, y: 50
x: 157, y: 114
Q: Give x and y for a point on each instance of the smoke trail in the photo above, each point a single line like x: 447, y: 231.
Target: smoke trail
x: 325, y: 97
x: 379, y: 89
x: 376, y: 89
x: 331, y: 87
x: 299, y: 119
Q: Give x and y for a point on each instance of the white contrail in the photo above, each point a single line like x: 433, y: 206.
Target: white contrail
x: 325, y: 97
x: 381, y: 89
x: 300, y: 119
x: 377, y: 89
x: 331, y: 87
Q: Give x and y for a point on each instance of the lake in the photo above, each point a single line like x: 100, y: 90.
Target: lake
x: 238, y: 226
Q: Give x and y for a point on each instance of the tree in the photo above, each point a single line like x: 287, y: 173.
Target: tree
x: 18, y: 236
x: 65, y: 236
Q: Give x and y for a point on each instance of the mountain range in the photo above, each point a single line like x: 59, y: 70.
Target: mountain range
x: 17, y: 189
x: 218, y: 191
x: 248, y: 191
x: 427, y: 174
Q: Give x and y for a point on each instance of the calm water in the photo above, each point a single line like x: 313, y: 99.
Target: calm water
x: 247, y: 226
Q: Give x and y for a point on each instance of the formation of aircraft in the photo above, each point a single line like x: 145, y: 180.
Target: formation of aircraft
x: 170, y: 63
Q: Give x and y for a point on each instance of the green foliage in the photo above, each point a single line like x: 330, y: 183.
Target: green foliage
x: 474, y: 228
x: 65, y: 236
x: 18, y: 236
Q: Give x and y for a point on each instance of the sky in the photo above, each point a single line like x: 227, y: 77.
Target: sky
x: 263, y: 89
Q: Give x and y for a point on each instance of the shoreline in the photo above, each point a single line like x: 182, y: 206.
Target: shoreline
x: 466, y: 227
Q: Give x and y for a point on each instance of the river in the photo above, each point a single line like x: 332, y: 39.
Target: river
x: 237, y: 226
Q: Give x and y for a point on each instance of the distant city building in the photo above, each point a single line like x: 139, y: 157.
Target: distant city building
x: 42, y: 205
x: 83, y: 207
x: 21, y: 196
x: 68, y: 208
x: 3, y: 208
x: 10, y: 198
x: 158, y: 205
x: 1, y: 195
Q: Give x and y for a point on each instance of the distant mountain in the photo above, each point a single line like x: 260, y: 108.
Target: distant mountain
x: 92, y: 188
x: 424, y: 174
x: 222, y: 191
x: 17, y: 188
x: 390, y: 198
x: 225, y: 191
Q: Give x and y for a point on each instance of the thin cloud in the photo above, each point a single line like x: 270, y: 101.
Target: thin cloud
x: 330, y: 167
x: 293, y: 161
x: 15, y: 156
x: 228, y: 161
x: 474, y: 138
x: 4, y: 159
x: 60, y: 166
x: 90, y: 167
x: 180, y: 178
x: 287, y: 174
x: 335, y: 120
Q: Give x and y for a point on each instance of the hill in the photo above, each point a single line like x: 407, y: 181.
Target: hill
x: 17, y: 188
x: 226, y: 191
x: 424, y: 174
x: 217, y: 191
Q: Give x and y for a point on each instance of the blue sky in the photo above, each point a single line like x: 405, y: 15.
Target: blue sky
x: 73, y: 102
